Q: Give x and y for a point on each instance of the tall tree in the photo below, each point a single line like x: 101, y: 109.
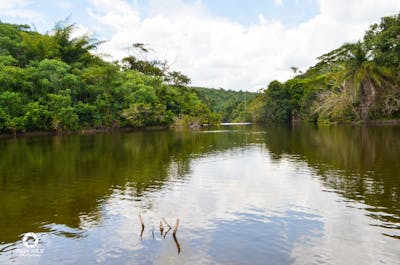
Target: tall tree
x: 362, y: 76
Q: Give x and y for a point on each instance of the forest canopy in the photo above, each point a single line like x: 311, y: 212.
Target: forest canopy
x: 54, y: 81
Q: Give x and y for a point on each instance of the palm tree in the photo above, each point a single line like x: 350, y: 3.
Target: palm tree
x: 359, y: 75
x: 74, y: 49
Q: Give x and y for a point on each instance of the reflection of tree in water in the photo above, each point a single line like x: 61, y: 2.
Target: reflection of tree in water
x: 360, y: 163
x: 64, y: 180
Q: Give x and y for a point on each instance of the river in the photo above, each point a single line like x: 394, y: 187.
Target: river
x: 244, y: 194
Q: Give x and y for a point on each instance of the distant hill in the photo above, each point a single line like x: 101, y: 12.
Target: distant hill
x: 230, y: 104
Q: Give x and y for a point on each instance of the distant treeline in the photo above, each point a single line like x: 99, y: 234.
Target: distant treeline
x: 356, y: 82
x: 230, y: 104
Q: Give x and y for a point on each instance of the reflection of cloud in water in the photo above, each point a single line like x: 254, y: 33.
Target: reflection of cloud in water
x: 217, y: 131
x: 238, y: 207
x: 277, y: 236
x: 238, y: 203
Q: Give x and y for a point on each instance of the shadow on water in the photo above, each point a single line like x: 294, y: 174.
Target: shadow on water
x: 63, y: 180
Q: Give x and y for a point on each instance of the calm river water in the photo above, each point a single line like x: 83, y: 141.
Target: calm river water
x: 244, y: 195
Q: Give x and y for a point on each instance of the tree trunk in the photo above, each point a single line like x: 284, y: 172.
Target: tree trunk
x: 368, y: 94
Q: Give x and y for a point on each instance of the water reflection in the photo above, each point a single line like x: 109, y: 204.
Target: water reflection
x: 61, y: 180
x: 244, y: 195
x: 278, y: 234
x: 359, y: 163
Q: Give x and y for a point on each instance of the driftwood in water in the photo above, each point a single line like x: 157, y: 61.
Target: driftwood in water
x: 142, y: 222
x: 177, y: 243
x: 163, y: 235
x: 169, y: 229
x: 141, y: 233
x: 165, y: 221
x: 176, y: 226
x: 161, y: 228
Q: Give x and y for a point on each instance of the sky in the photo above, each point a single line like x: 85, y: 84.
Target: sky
x: 233, y: 44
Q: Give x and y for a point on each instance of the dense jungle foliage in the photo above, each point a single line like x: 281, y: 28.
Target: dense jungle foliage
x: 230, y: 104
x: 356, y: 82
x: 56, y: 82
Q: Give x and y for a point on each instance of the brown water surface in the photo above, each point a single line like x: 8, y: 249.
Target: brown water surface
x: 244, y: 195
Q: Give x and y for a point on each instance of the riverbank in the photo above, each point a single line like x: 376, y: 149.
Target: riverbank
x: 356, y: 123
x: 383, y: 122
x: 87, y: 131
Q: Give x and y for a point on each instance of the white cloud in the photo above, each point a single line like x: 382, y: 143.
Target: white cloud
x: 8, y: 4
x: 217, y: 52
x: 18, y: 9
x: 278, y: 2
x: 63, y: 4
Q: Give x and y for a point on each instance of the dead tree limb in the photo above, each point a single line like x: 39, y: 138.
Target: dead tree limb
x: 161, y: 228
x: 141, y: 221
x: 169, y: 229
x: 177, y: 243
x: 176, y: 226
x: 166, y: 222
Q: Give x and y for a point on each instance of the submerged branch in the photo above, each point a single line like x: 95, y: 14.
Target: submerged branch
x: 165, y: 221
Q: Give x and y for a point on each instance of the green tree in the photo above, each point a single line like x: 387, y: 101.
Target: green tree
x: 51, y: 76
x: 360, y: 75
x: 145, y: 67
x: 12, y: 107
x: 177, y: 79
x: 140, y: 115
x: 62, y: 114
x: 37, y: 117
x: 89, y: 117
x: 74, y: 50
x: 383, y: 40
